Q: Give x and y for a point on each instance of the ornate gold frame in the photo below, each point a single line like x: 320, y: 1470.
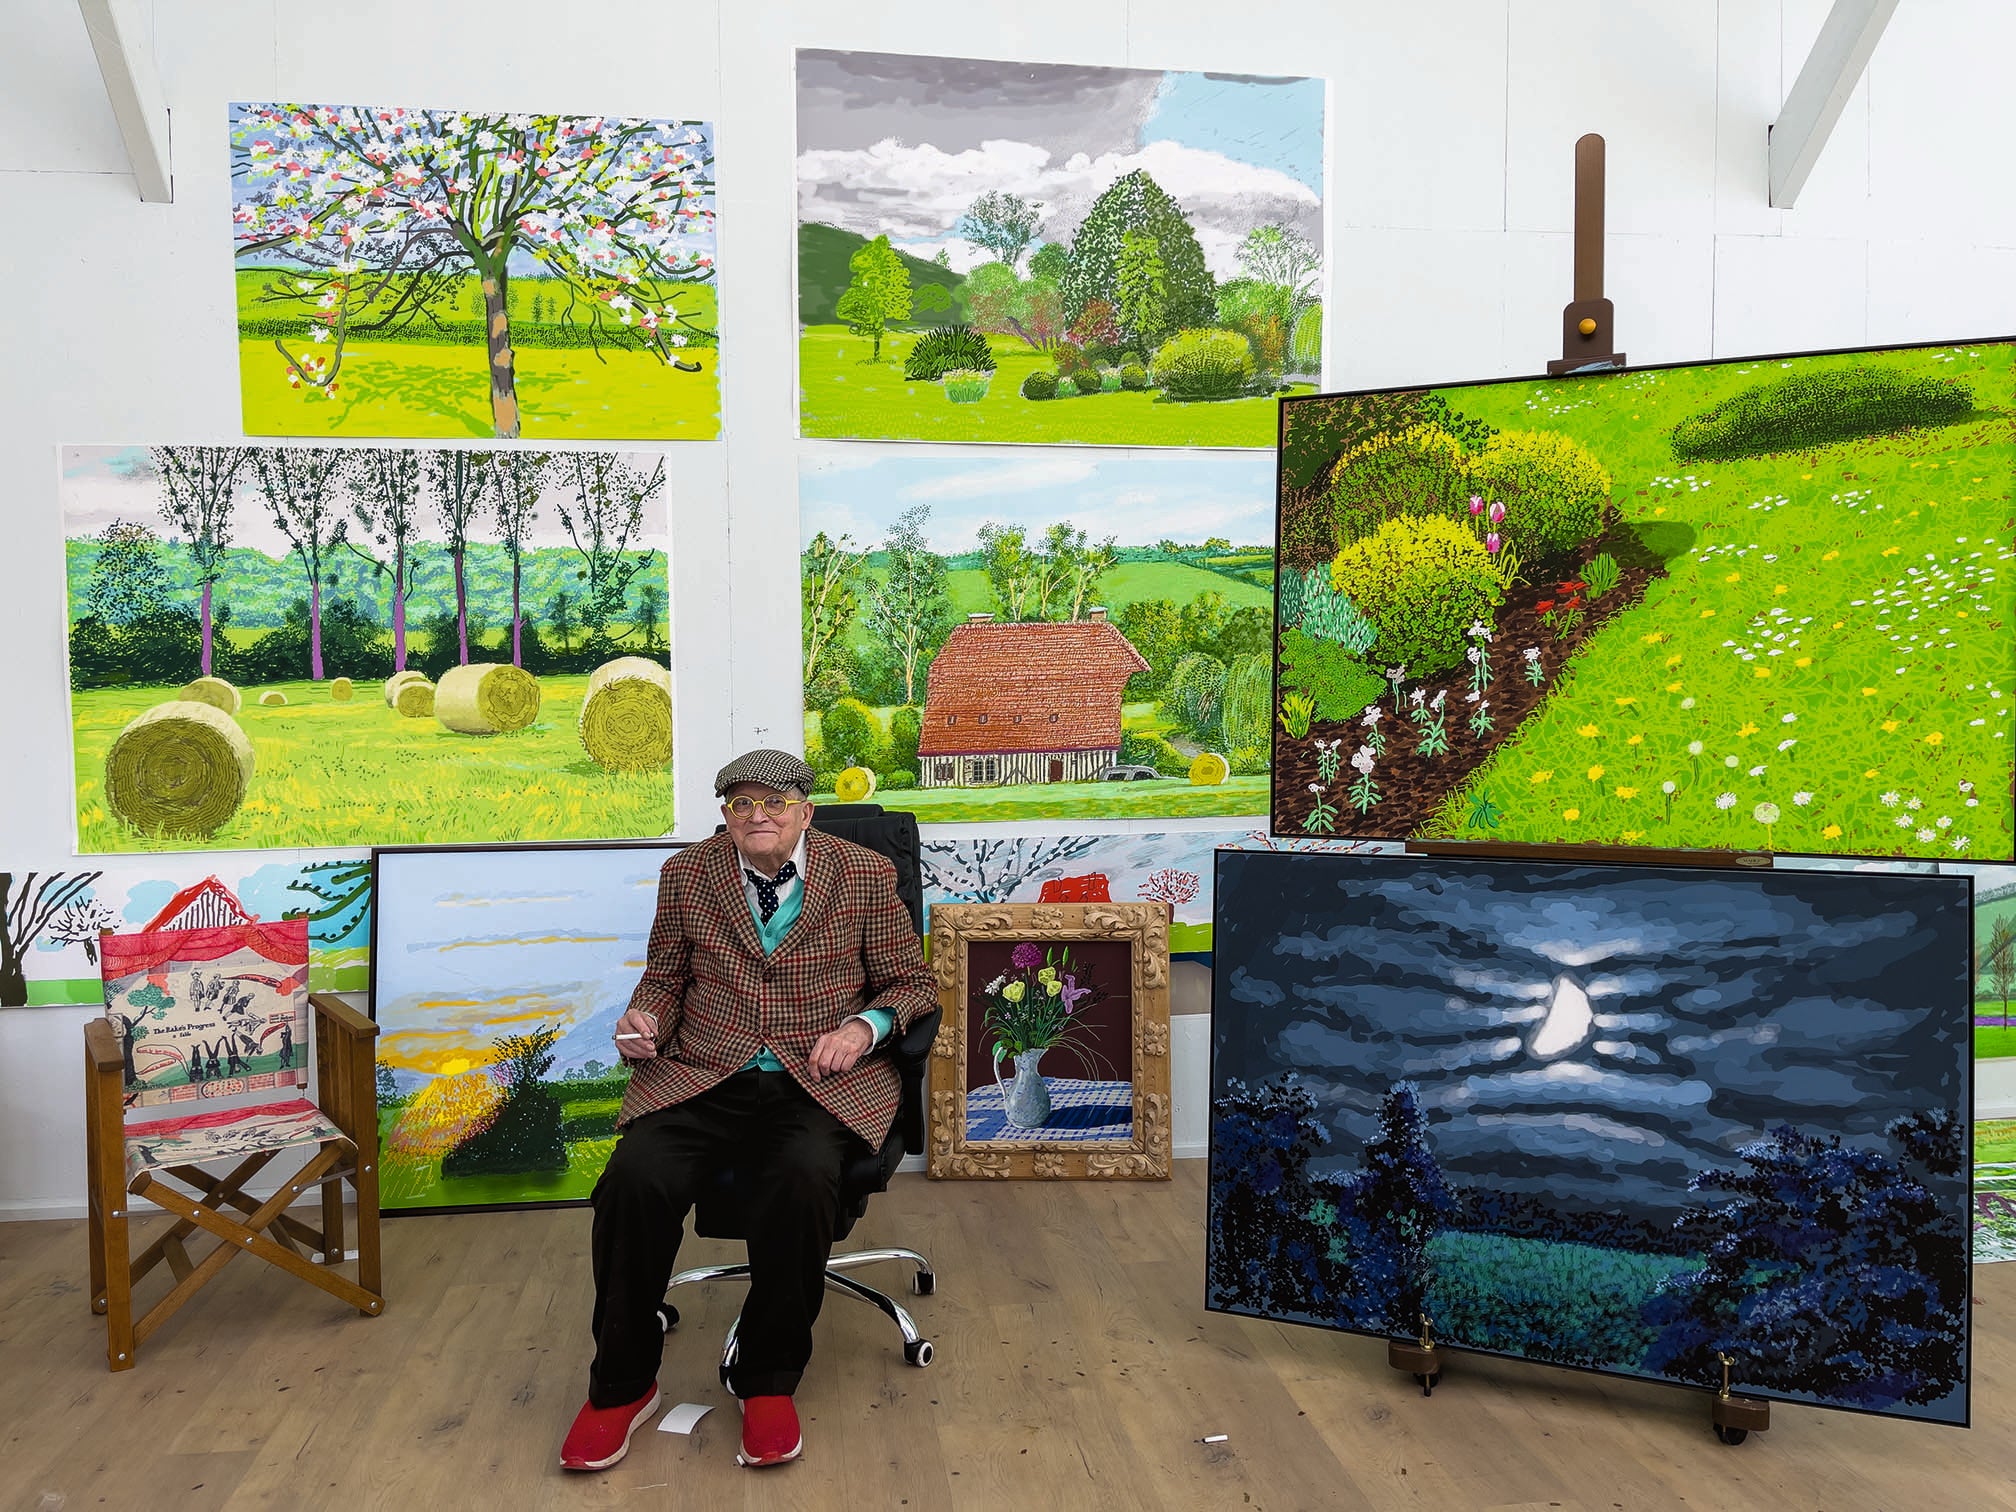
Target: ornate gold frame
x: 1146, y: 927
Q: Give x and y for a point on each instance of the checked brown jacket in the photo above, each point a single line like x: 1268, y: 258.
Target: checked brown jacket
x: 718, y: 999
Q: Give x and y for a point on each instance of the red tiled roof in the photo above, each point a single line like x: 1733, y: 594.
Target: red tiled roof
x: 1017, y: 676
x: 210, y: 903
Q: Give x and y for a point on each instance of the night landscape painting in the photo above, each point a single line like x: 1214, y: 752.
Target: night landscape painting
x: 1617, y: 1117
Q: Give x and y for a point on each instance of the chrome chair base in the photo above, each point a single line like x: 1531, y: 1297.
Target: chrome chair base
x: 923, y: 1282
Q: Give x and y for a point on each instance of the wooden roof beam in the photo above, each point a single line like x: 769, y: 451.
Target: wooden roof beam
x: 1832, y: 70
x: 122, y: 39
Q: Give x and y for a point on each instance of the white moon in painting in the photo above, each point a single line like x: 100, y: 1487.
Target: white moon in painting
x: 1568, y: 1019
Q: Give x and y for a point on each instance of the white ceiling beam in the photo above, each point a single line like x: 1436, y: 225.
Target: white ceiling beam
x: 121, y: 38
x: 1840, y: 53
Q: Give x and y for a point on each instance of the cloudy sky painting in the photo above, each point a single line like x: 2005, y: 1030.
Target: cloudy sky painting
x: 899, y: 145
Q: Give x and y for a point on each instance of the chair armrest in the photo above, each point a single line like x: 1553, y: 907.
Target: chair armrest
x: 340, y: 1016
x: 912, y: 1049
x: 101, y: 1046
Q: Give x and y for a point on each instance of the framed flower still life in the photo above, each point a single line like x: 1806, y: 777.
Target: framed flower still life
x: 1053, y: 1058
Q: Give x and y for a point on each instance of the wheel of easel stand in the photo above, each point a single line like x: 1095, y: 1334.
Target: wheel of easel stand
x: 1731, y: 1436
x: 1428, y: 1383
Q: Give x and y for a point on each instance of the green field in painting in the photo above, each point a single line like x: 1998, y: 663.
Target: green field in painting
x: 1164, y: 798
x: 1828, y: 664
x: 356, y: 773
x: 845, y: 394
x: 590, y: 1111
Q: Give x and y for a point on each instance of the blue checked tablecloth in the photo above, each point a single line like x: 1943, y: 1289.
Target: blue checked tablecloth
x: 1081, y: 1112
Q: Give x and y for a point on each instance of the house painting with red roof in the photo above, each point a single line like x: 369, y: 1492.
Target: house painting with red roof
x: 1027, y: 702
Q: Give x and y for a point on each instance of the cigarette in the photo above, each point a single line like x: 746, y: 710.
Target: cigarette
x: 1216, y: 1438
x: 633, y: 1036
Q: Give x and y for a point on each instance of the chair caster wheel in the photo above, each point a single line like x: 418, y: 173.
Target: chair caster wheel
x: 723, y: 1373
x: 1731, y: 1436
x: 918, y: 1354
x: 924, y: 1283
x: 668, y: 1318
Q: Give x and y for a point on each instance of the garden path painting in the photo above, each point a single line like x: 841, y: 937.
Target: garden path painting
x: 1041, y: 252
x: 306, y: 647
x: 1031, y: 640
x: 497, y: 979
x: 1612, y: 1117
x: 1756, y: 604
x: 444, y: 273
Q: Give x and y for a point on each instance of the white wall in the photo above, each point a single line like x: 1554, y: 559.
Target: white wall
x: 1452, y: 124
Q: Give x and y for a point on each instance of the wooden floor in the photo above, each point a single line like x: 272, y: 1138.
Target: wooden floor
x: 1075, y: 1368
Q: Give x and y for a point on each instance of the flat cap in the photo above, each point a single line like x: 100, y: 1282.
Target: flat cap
x: 772, y: 769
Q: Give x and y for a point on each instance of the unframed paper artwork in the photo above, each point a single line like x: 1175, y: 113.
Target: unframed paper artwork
x: 1003, y: 642
x: 1044, y: 252
x: 497, y: 979
x: 366, y: 646
x: 50, y: 921
x: 443, y: 273
x: 1994, y: 959
x: 1600, y: 1116
x: 1755, y: 604
x: 205, y: 1013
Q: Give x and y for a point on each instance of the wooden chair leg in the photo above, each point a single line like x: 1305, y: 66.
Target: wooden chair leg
x: 94, y: 1204
x: 366, y: 1183
x: 332, y: 1222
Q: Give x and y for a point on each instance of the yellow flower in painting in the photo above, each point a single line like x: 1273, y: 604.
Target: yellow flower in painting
x: 1627, y: 793
x: 1654, y: 638
x: 1673, y: 661
x: 1746, y: 731
x: 1802, y: 661
x: 1660, y: 510
x: 1632, y: 837
x: 1675, y: 687
x: 1636, y: 740
x: 1830, y: 556
x: 1625, y: 703
x: 1014, y: 990
x: 1805, y: 477
x: 1872, y: 771
x: 1761, y: 671
x: 1595, y: 774
x: 1733, y: 577
x: 1890, y: 726
x: 1707, y: 614
x: 1868, y: 692
x: 1571, y: 814
x: 1935, y: 738
x: 1891, y: 550
x: 1051, y: 989
x: 1540, y: 777
x: 1047, y: 974
x: 1588, y: 731
x: 1832, y: 832
x: 1780, y: 590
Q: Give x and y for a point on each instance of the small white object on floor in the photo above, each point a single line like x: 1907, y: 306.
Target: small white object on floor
x: 681, y: 1419
x: 1216, y: 1438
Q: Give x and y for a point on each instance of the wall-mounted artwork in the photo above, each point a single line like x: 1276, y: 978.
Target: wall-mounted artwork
x: 209, y: 1012
x: 1994, y: 1190
x: 50, y: 921
x: 1053, y: 1059
x: 1994, y: 960
x: 994, y: 251
x: 1753, y: 604
x: 1033, y: 640
x: 453, y: 274
x: 312, y: 646
x: 1618, y: 1118
x: 497, y: 979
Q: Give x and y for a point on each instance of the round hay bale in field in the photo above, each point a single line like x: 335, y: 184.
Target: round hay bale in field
x: 215, y: 692
x: 272, y: 698
x: 855, y: 785
x: 181, y: 768
x: 1209, y: 769
x: 399, y: 680
x: 341, y: 690
x: 486, y: 698
x: 626, y: 715
x: 416, y: 699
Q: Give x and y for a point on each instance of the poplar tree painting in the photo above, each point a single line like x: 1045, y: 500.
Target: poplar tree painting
x: 442, y: 273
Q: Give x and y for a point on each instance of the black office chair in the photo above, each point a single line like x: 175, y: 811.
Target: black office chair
x: 718, y: 1212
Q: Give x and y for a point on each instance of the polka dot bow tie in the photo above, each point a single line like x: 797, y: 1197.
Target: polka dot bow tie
x: 766, y: 890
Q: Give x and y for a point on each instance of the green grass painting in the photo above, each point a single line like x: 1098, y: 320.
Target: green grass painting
x: 1804, y: 642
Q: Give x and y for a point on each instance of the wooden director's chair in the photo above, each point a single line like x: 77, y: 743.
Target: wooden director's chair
x: 132, y: 1158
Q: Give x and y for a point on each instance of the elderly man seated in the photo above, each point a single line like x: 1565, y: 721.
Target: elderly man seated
x: 780, y: 958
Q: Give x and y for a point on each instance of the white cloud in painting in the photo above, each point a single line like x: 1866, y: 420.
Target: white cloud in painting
x: 991, y: 481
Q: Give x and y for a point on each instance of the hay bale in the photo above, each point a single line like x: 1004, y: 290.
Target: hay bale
x: 399, y: 680
x: 181, y: 768
x: 272, y: 698
x: 486, y: 698
x: 215, y: 692
x: 626, y: 716
x: 341, y: 689
x: 855, y: 785
x: 416, y: 699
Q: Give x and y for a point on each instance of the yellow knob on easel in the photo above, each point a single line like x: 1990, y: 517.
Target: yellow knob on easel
x: 1587, y: 326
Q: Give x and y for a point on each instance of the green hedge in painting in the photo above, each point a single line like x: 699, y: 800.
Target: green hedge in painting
x: 1744, y: 604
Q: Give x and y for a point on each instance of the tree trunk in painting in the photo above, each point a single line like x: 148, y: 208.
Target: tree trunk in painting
x: 398, y: 607
x: 206, y: 627
x: 315, y: 629
x: 13, y: 979
x: 503, y: 375
x: 517, y: 615
x: 461, y: 610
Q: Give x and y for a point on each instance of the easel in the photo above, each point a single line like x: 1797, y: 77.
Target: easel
x: 1589, y: 322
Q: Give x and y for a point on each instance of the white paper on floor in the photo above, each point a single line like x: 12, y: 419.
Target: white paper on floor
x: 682, y: 1418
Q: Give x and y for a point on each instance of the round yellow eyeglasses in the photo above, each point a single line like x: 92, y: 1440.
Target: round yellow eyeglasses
x: 742, y: 806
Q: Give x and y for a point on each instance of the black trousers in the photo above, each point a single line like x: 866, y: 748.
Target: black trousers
x: 788, y: 1153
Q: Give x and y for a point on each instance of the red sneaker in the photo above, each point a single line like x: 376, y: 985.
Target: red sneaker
x: 770, y: 1433
x: 601, y: 1435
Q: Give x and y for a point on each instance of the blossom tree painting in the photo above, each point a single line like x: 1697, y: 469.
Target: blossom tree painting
x: 577, y: 252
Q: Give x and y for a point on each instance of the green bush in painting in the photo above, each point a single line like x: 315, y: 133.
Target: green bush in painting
x: 1305, y: 346
x: 1416, y: 470
x: 1289, y: 595
x: 1248, y: 761
x: 1422, y: 582
x: 895, y: 781
x: 1204, y: 365
x: 849, y: 735
x: 1109, y: 380
x: 1553, y: 489
x: 1066, y: 389
x: 1600, y: 576
x: 906, y: 726
x: 1247, y: 707
x: 1069, y: 359
x: 1338, y: 683
x: 1039, y: 384
x: 1196, y: 689
x: 1329, y: 615
x: 1140, y: 748
x: 1133, y: 377
x: 966, y: 385
x: 940, y: 351
x: 1809, y: 410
